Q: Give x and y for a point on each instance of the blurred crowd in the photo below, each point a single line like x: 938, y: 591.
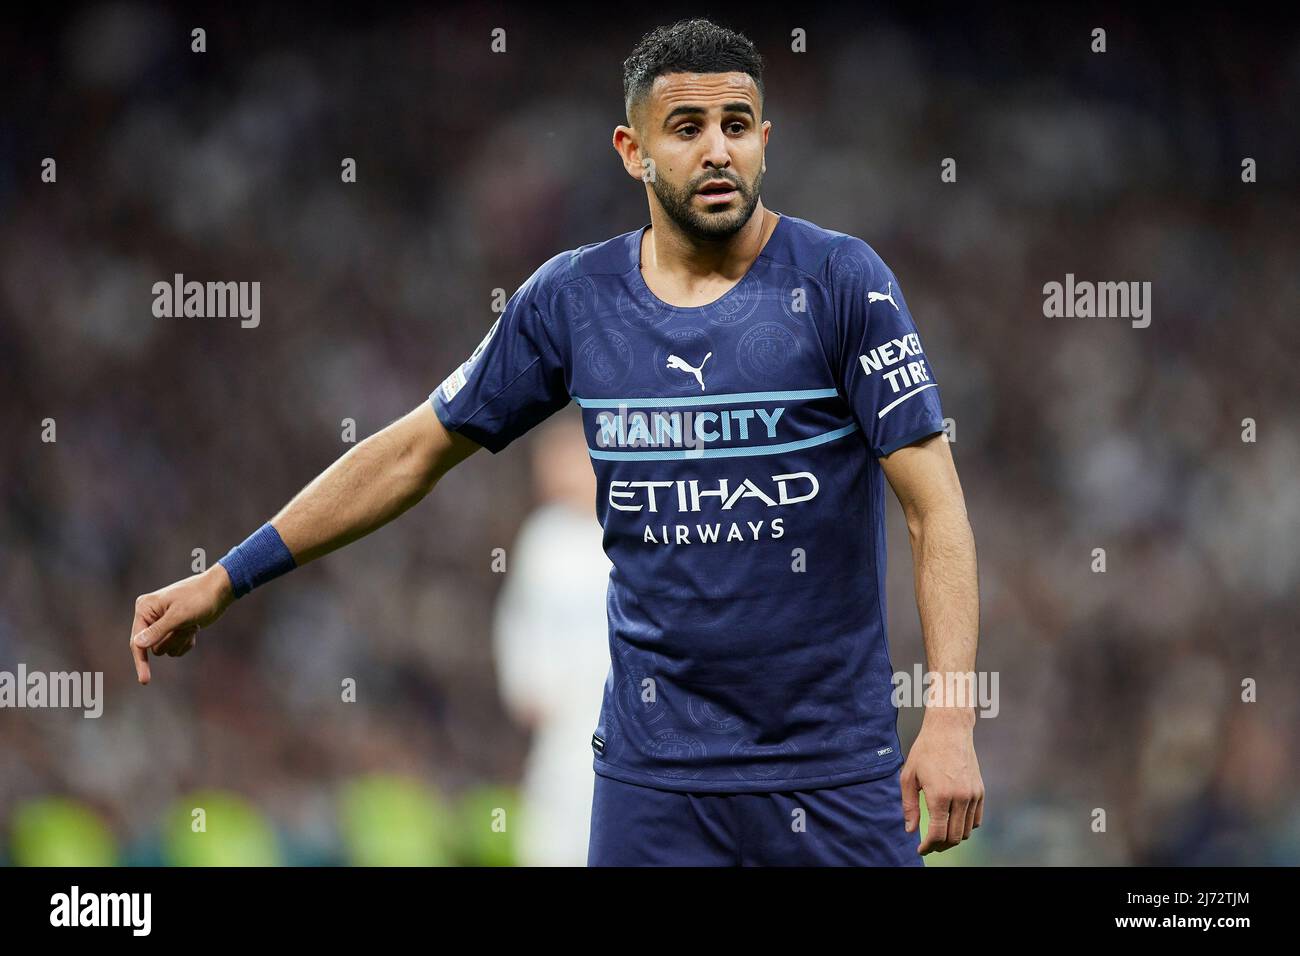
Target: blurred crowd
x: 1121, y: 691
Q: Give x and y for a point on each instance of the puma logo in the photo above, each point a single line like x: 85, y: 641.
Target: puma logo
x: 884, y: 297
x: 682, y: 365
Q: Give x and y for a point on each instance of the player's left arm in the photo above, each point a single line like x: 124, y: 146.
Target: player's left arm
x: 942, y: 761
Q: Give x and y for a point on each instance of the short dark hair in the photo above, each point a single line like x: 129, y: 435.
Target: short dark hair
x: 688, y: 46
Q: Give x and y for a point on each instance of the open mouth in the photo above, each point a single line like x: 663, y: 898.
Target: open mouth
x: 716, y: 193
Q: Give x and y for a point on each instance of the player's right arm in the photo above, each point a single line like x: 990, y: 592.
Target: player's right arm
x: 513, y: 380
x: 373, y: 483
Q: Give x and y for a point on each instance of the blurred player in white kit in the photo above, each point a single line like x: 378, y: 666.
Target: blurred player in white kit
x: 551, y: 642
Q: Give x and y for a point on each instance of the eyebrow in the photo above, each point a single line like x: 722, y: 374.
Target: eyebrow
x: 694, y: 110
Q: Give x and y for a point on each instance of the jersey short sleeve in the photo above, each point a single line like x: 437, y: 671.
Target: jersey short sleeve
x: 882, y: 368
x: 515, y: 378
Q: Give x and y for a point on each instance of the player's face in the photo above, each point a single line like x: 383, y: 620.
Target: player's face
x: 706, y: 136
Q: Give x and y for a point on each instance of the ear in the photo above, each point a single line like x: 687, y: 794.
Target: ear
x: 767, y: 131
x: 628, y: 147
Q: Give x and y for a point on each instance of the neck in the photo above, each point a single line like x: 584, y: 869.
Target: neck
x: 667, y: 250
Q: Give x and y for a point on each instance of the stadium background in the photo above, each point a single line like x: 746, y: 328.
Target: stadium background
x: 1118, y: 690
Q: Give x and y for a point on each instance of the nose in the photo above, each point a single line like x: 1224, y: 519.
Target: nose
x: 717, y: 154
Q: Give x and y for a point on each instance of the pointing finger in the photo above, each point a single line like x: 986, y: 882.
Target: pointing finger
x: 138, y: 654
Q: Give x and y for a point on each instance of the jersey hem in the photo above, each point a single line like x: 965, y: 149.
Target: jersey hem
x: 890, y: 447
x: 485, y: 439
x: 678, y: 785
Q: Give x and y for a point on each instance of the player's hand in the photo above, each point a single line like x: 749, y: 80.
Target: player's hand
x: 942, y: 763
x: 168, y: 621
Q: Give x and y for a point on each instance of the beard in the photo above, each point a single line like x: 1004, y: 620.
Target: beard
x: 708, y: 225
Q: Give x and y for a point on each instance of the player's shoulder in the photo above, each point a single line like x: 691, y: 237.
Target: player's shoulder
x: 608, y: 257
x: 827, y: 254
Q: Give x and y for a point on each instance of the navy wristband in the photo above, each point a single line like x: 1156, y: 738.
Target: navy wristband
x: 262, y: 557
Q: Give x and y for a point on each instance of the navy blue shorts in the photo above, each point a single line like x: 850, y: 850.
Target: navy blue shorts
x: 855, y: 824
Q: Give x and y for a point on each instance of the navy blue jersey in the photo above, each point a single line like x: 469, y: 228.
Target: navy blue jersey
x: 735, y: 447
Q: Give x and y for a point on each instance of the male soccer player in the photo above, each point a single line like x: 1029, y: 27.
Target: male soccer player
x: 746, y: 381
